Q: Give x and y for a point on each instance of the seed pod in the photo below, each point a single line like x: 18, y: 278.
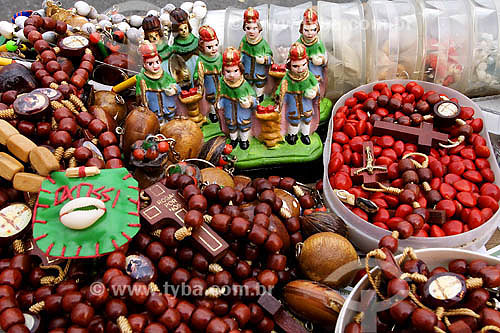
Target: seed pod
x: 317, y: 222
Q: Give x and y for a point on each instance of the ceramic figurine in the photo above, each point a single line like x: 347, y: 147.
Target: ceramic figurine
x: 209, y: 67
x: 183, y: 53
x: 296, y: 94
x: 156, y: 88
x: 256, y: 54
x: 318, y: 59
x: 153, y: 33
x: 236, y: 99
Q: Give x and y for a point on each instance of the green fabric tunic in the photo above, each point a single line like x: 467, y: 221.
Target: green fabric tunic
x: 314, y: 49
x: 163, y: 50
x: 153, y: 85
x: 185, y: 45
x: 244, y: 90
x: 260, y: 49
x: 297, y: 87
x: 210, y: 65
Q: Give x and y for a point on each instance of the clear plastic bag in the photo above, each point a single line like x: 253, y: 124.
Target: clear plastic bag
x: 344, y: 35
x: 485, y: 71
x: 284, y: 25
x: 216, y: 19
x: 233, y: 25
x: 393, y: 42
x: 447, y: 34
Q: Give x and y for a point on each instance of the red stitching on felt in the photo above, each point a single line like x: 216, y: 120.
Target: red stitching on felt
x: 97, y: 248
x: 127, y: 177
x: 49, y: 249
x: 133, y: 213
x: 40, y: 237
x: 106, y: 197
x: 63, y: 251
x: 40, y: 221
x: 81, y: 172
x: 133, y: 201
x: 51, y: 180
x: 116, y: 199
x: 137, y: 225
x: 44, y: 190
x: 126, y: 236
x: 43, y: 206
x: 96, y: 192
x: 134, y: 188
x: 114, y: 244
x: 78, y: 251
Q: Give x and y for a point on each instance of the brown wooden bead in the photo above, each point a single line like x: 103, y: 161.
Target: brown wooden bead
x: 70, y: 299
x: 11, y: 317
x: 119, y: 284
x: 438, y: 270
x: 231, y: 323
x: 194, y: 218
x: 258, y: 235
x: 140, y: 294
x: 223, y: 278
x: 97, y: 299
x: 42, y: 292
x: 262, y: 185
x: 265, y: 325
x: 354, y: 327
x: 18, y: 328
x: 405, y: 164
x: 242, y: 270
x: 400, y: 312
x: 40, y: 46
x: 114, y: 163
x: 185, y: 255
x: 215, y: 209
x: 490, y: 276
x: 262, y: 220
x: 41, y: 73
x: 22, y: 262
x: 94, y: 161
x: 28, y: 28
x: 115, y: 308
x: 276, y: 262
x: 184, y: 180
x: 407, y: 197
x: 217, y: 325
x: 52, y: 66
x: 62, y: 113
x: 60, y: 139
x: 475, y: 267
x: 82, y: 314
x: 185, y: 309
x: 239, y: 227
x: 155, y: 328
x: 263, y: 208
x: 220, y: 222
x: 53, y: 304
x: 416, y: 266
x: 7, y: 302
x: 11, y: 277
x: 43, y: 129
x: 200, y: 318
x: 156, y: 304
x: 107, y: 139
x: 490, y: 317
x: 275, y: 180
x: 61, y: 76
x: 458, y: 266
x: 88, y: 57
x: 251, y: 285
x: 61, y: 27
x: 433, y: 197
x: 180, y: 276
x: 25, y: 298
x: 6, y: 290
x: 210, y: 192
x: 410, y: 176
x: 198, y: 286
x: 398, y: 287
x: 231, y: 210
x: 84, y: 118
x: 416, y: 221
x: 182, y: 328
x: 34, y: 36
x: 221, y: 307
x: 189, y: 191
x: 307, y: 201
x: 58, y: 323
x: 79, y: 81
x: 273, y: 243
x: 97, y: 126
x: 267, y: 196
x: 256, y: 313
x: 35, y: 276
x: 268, y: 278
x: 167, y: 237
x: 249, y: 194
x: 110, y: 274
x: 204, y: 302
x: 170, y: 318
x: 137, y: 322
x: 82, y: 154
x: 476, y: 299
x: 97, y: 325
x: 155, y: 251
x: 251, y: 252
x: 389, y: 242
x: 200, y: 263
x: 226, y: 195
x: 69, y: 125
x: 116, y: 260
x: 47, y: 56
x: 87, y: 65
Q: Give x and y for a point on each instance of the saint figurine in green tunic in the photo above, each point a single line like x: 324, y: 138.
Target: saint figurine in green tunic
x: 208, y: 68
x: 296, y: 95
x: 185, y: 46
x: 236, y: 100
x: 316, y: 51
x: 256, y: 54
x: 155, y: 88
x: 153, y: 33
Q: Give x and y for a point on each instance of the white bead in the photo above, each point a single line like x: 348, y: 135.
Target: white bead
x: 200, y: 12
x: 135, y: 21
x: 89, y: 28
x: 50, y: 36
x: 102, y: 17
x: 93, y: 13
x: 105, y: 24
x: 165, y: 19
x: 7, y: 29
x: 187, y: 6
x: 82, y: 8
x: 168, y: 8
x: 20, y: 34
x: 153, y: 12
x: 117, y: 18
x: 20, y: 21
x: 123, y: 26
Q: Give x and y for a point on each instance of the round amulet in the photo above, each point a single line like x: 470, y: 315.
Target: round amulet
x: 445, y: 289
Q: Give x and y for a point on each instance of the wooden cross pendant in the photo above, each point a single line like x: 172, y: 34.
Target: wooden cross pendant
x: 370, y: 173
x: 280, y: 316
x: 33, y: 250
x: 168, y: 208
x: 424, y: 136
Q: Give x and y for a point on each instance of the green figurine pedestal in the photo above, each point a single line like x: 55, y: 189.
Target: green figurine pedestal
x: 258, y: 160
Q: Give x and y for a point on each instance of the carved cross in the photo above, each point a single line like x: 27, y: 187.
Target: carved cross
x: 437, y: 217
x: 370, y: 173
x: 280, y: 316
x: 424, y: 136
x: 34, y: 250
x: 168, y: 208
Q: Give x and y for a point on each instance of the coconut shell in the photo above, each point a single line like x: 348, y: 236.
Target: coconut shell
x: 139, y: 123
x: 99, y: 113
x: 322, y: 222
x: 16, y: 77
x: 112, y: 103
x: 213, y: 149
x: 187, y: 135
x: 329, y: 258
x: 314, y: 302
x: 217, y: 176
x: 240, y: 182
x: 289, y: 201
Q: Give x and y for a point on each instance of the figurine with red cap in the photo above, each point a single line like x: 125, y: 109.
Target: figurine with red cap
x: 236, y: 99
x: 208, y: 67
x: 296, y: 95
x: 256, y: 55
x: 309, y: 29
x: 155, y: 88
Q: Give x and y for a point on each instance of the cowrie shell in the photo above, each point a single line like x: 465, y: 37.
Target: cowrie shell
x: 81, y: 219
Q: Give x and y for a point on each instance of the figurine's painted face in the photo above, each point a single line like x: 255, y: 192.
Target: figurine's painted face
x: 252, y: 31
x: 183, y: 30
x: 211, y: 48
x: 231, y: 73
x: 310, y: 31
x: 299, y: 66
x: 153, y: 64
x: 153, y: 37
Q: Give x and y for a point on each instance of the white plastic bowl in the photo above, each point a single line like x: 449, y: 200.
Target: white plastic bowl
x: 432, y: 257
x: 365, y: 235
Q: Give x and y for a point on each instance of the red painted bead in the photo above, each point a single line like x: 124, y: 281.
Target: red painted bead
x: 447, y: 191
x: 436, y: 168
x: 340, y: 137
x: 491, y: 190
x: 473, y: 176
x: 448, y: 206
x: 487, y: 175
x: 477, y: 125
x: 342, y: 181
x: 457, y: 168
x: 453, y: 227
x: 385, y: 141
x: 486, y: 201
x: 436, y: 231
x: 361, y: 213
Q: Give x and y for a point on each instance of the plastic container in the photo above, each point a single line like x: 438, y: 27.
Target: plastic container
x: 284, y: 26
x: 432, y: 257
x: 485, y: 72
x: 216, y: 19
x: 344, y: 35
x: 233, y: 25
x: 447, y: 32
x: 393, y: 40
x: 365, y: 235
